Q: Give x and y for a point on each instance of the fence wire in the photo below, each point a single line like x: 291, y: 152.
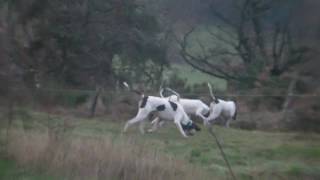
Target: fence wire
x: 123, y: 101
x: 181, y: 93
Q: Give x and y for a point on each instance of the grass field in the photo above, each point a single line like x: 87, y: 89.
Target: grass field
x: 252, y: 154
x: 10, y: 171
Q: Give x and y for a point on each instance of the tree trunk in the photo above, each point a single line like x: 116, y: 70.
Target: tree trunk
x: 94, y: 102
x: 10, y: 119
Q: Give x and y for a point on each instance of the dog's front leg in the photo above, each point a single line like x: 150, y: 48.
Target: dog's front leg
x: 228, y: 122
x: 177, y: 121
x: 199, y: 114
x: 211, y: 119
x: 141, y: 126
x: 215, y: 112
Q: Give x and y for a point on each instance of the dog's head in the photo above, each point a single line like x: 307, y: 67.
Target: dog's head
x: 190, y: 127
x: 173, y: 98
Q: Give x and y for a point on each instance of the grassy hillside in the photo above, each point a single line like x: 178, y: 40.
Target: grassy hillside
x: 253, y: 154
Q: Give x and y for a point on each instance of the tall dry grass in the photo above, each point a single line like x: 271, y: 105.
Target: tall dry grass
x: 96, y: 158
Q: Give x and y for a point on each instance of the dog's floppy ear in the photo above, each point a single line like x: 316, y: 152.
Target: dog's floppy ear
x: 211, y: 93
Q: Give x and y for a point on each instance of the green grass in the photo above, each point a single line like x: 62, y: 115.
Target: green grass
x: 252, y: 154
x: 10, y: 171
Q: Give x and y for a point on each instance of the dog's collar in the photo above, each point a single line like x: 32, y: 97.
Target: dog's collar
x: 186, y: 123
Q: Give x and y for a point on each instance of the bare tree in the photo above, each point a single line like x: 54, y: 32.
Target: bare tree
x: 250, y: 44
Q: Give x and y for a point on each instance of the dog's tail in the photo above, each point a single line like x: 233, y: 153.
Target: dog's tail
x: 133, y: 90
x: 174, y: 92
x: 211, y: 93
x: 161, y: 92
x: 236, y: 110
x: 161, y: 89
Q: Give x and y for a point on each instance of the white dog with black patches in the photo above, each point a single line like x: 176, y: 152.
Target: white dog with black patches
x: 191, y: 107
x: 226, y: 110
x: 164, y: 109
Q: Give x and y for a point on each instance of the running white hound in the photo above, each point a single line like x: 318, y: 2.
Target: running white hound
x: 191, y: 107
x: 226, y: 110
x: 164, y: 109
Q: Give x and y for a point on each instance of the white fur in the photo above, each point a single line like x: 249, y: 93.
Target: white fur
x: 223, y: 109
x: 178, y: 116
x: 190, y: 106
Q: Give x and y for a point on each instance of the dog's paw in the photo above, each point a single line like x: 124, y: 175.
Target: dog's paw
x: 190, y: 134
x: 185, y: 135
x: 206, y: 123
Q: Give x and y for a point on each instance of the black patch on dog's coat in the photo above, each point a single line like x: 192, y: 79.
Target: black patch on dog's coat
x: 235, y: 114
x: 234, y: 117
x: 144, y: 101
x: 173, y: 105
x: 161, y: 107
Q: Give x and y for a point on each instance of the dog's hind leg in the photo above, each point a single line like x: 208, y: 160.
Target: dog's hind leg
x: 228, y: 122
x: 141, y: 116
x: 141, y: 126
x: 155, y: 124
x: 199, y: 114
